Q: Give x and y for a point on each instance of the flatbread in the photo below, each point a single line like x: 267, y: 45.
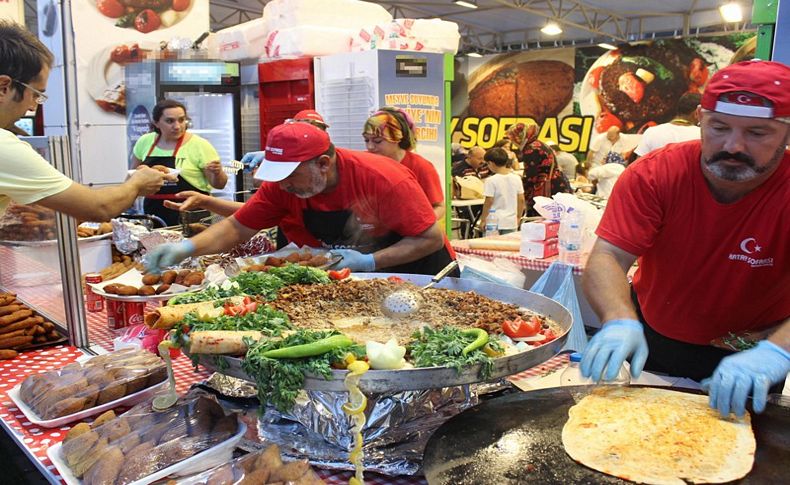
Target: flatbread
x: 657, y: 436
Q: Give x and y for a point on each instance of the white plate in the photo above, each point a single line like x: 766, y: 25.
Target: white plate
x: 216, y: 455
x: 133, y: 277
x: 129, y: 400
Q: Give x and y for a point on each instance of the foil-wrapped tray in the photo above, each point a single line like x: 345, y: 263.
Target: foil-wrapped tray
x: 388, y: 381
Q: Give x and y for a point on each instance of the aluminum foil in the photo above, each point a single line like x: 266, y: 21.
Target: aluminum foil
x: 397, y: 429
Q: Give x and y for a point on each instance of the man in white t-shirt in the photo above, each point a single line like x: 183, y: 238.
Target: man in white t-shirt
x: 611, y: 141
x: 25, y: 177
x: 503, y: 191
x: 682, y: 128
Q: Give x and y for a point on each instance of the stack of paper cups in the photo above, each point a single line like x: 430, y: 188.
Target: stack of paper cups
x: 539, y: 239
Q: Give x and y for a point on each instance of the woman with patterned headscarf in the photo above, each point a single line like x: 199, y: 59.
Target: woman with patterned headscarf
x: 390, y: 132
x: 542, y: 176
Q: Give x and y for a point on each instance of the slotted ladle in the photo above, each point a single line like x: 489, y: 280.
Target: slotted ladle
x: 402, y: 303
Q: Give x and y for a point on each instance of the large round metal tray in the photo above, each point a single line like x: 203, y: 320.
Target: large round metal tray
x: 381, y: 381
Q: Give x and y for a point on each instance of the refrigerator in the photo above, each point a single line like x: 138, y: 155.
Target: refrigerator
x: 211, y: 92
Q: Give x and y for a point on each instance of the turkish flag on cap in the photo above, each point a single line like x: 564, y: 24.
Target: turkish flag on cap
x: 757, y: 89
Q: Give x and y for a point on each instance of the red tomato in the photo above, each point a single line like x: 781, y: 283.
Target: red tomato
x: 147, y: 21
x: 595, y: 77
x: 394, y: 279
x: 180, y: 5
x: 606, y: 120
x: 632, y: 86
x: 339, y: 275
x: 111, y: 8
x: 550, y: 335
x: 519, y: 328
x: 698, y: 72
x: 120, y: 54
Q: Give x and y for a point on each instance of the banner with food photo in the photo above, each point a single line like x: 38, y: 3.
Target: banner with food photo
x: 108, y: 35
x: 574, y: 94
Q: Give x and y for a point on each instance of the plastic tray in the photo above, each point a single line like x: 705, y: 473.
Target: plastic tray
x: 129, y: 400
x: 214, y: 456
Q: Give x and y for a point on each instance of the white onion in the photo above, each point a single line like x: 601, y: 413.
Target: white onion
x: 534, y: 338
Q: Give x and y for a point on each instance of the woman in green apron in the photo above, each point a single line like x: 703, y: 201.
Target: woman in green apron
x: 170, y: 145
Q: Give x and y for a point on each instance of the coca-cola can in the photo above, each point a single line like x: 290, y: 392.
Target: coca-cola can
x: 133, y: 313
x: 114, y: 314
x: 93, y: 302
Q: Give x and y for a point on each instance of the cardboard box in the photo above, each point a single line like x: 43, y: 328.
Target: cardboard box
x: 539, y: 249
x: 539, y: 230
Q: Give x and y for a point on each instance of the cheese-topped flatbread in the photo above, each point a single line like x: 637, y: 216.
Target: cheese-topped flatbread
x: 657, y: 436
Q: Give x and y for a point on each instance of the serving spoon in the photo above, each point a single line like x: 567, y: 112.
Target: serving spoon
x: 402, y: 303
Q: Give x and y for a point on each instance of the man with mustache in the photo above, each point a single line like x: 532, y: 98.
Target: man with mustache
x: 363, y: 206
x: 707, y: 222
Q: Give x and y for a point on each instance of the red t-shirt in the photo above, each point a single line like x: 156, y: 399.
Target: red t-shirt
x: 705, y: 268
x: 383, y: 196
x: 426, y: 176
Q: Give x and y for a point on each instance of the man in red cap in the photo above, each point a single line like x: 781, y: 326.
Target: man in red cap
x: 707, y: 221
x: 364, y: 207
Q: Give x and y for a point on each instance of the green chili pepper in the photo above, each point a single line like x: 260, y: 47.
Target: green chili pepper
x: 310, y: 350
x: 481, y: 338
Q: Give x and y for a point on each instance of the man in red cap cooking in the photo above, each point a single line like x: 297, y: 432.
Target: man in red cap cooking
x: 708, y: 222
x: 365, y: 207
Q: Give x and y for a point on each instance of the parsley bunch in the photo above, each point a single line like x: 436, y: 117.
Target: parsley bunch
x: 444, y: 347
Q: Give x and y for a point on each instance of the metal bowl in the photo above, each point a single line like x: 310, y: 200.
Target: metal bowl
x: 385, y: 381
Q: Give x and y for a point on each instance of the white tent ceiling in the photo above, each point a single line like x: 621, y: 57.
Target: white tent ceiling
x: 500, y: 25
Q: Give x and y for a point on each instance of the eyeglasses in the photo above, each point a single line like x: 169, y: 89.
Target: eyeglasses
x: 40, y: 98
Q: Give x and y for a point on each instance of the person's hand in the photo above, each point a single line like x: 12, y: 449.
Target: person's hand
x: 749, y: 371
x: 354, y: 260
x: 166, y: 255
x: 194, y: 200
x: 252, y: 159
x: 147, y: 180
x: 214, y: 167
x: 617, y: 340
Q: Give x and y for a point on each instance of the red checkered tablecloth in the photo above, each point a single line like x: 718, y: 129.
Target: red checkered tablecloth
x: 461, y: 246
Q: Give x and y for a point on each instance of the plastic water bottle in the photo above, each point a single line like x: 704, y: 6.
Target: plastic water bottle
x: 492, y: 224
x: 572, y: 376
x: 570, y: 235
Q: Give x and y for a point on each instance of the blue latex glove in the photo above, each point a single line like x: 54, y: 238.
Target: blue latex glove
x: 754, y: 370
x: 614, y: 342
x: 251, y: 160
x: 354, y: 260
x: 166, y: 255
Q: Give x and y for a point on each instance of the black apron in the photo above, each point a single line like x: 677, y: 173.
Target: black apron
x: 154, y: 204
x: 342, y: 230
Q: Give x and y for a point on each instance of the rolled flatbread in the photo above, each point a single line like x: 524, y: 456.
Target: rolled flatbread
x: 226, y: 342
x: 167, y: 316
x: 657, y: 436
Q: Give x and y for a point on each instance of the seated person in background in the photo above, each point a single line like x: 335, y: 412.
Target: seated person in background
x: 512, y: 162
x: 28, y: 178
x: 581, y: 179
x: 474, y: 164
x: 390, y: 132
x: 565, y: 161
x: 604, y: 176
x: 683, y: 127
x: 503, y: 191
x: 457, y: 153
x: 611, y: 141
x: 541, y: 175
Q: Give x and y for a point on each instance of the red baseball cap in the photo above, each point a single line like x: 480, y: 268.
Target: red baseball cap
x: 287, y: 146
x: 310, y: 115
x: 756, y: 89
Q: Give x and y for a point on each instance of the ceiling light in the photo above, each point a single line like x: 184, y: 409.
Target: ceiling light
x: 551, y: 28
x: 607, y: 46
x: 731, y: 12
x: 474, y: 54
x: 462, y: 3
